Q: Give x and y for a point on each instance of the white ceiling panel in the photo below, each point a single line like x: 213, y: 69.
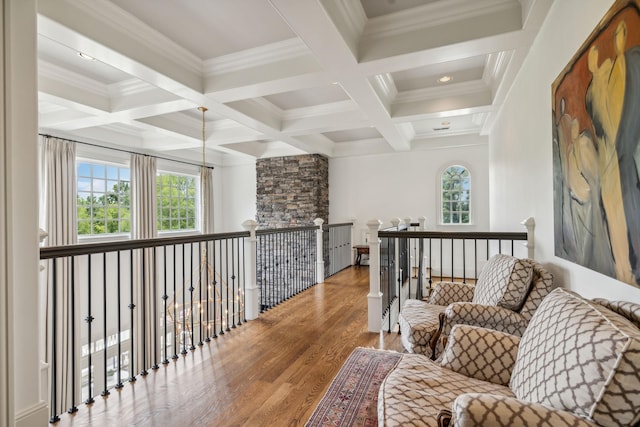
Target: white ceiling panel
x: 278, y: 77
x: 211, y: 28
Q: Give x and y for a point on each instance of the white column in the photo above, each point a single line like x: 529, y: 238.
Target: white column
x: 252, y: 296
x: 375, y: 296
x: 395, y: 222
x: 423, y: 223
x: 411, y: 248
x: 530, y: 224
x: 319, y: 256
x: 20, y: 402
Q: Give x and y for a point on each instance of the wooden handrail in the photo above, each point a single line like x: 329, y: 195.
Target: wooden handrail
x: 454, y: 235
x: 48, y: 252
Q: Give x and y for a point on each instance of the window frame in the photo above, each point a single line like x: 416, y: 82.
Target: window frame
x: 442, y: 201
x: 106, y: 163
x: 196, y: 205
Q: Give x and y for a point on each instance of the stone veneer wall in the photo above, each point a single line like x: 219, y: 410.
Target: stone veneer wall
x: 292, y: 191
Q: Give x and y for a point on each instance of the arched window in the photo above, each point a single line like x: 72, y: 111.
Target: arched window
x: 455, y: 185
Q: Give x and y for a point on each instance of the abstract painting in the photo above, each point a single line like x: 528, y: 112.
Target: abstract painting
x: 596, y: 149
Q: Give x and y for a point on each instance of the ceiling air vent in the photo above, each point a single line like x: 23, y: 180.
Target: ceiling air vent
x: 442, y: 128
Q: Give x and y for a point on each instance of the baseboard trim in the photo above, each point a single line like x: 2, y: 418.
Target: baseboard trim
x: 33, y: 416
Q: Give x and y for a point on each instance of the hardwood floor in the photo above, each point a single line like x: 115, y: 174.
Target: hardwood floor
x: 268, y: 372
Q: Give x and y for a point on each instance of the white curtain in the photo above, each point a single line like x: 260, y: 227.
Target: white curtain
x: 59, y: 211
x: 144, y: 226
x: 206, y: 186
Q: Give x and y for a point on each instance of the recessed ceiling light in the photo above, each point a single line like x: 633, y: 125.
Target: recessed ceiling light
x: 445, y: 79
x: 85, y: 56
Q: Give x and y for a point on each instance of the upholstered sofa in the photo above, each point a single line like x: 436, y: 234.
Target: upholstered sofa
x: 504, y: 298
x: 576, y: 364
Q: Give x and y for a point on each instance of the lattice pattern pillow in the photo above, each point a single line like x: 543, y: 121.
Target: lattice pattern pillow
x: 504, y: 281
x: 445, y: 293
x: 481, y: 353
x: 474, y: 409
x: 580, y: 357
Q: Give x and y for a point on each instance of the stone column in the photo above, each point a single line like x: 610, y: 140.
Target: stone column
x: 252, y: 296
x: 375, y: 296
x: 319, y: 256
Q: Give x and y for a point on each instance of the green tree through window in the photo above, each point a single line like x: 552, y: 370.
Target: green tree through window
x: 176, y: 202
x: 456, y: 195
x: 103, y: 199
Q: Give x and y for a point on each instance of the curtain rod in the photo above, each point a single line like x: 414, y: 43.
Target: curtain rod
x: 125, y: 151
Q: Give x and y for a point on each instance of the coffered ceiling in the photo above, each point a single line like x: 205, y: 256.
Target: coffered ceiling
x: 279, y: 77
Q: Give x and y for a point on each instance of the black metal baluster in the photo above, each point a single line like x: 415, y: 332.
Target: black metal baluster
x: 89, y: 319
x: 206, y: 289
x: 419, y: 294
x: 105, y: 391
x: 233, y: 283
x: 165, y: 297
x: 54, y: 343
x: 269, y: 261
x: 464, y: 261
x: 512, y: 247
x: 452, y: 273
x: 144, y: 371
x: 73, y: 408
x: 475, y: 258
x: 119, y: 383
x: 183, y: 329
x: 244, y: 285
x: 226, y: 285
x: 430, y: 267
x: 215, y: 294
x: 132, y: 306
x: 191, y: 289
x: 200, y: 309
x: 441, y: 256
x: 154, y: 300
x: 499, y: 246
x: 174, y: 356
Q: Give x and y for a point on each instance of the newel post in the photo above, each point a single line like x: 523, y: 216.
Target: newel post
x: 319, y: 255
x: 252, y: 296
x: 423, y: 223
x: 375, y: 296
x: 530, y: 224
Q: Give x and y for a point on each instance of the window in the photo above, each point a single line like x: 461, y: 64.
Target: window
x: 103, y: 199
x: 176, y: 202
x: 456, y: 192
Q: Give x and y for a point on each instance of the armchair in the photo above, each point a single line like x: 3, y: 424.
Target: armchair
x: 576, y: 364
x: 505, y: 282
x: 497, y: 317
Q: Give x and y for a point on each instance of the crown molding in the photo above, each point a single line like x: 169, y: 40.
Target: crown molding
x: 134, y: 28
x: 495, y: 68
x: 431, y: 15
x: 348, y: 16
x: 445, y: 91
x: 256, y: 56
x: 68, y: 77
x: 385, y: 87
x: 129, y: 87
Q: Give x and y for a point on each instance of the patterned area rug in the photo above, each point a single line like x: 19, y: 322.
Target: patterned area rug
x: 352, y: 397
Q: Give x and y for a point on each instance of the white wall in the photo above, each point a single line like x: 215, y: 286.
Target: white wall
x: 520, y: 151
x: 402, y: 184
x: 235, y: 195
